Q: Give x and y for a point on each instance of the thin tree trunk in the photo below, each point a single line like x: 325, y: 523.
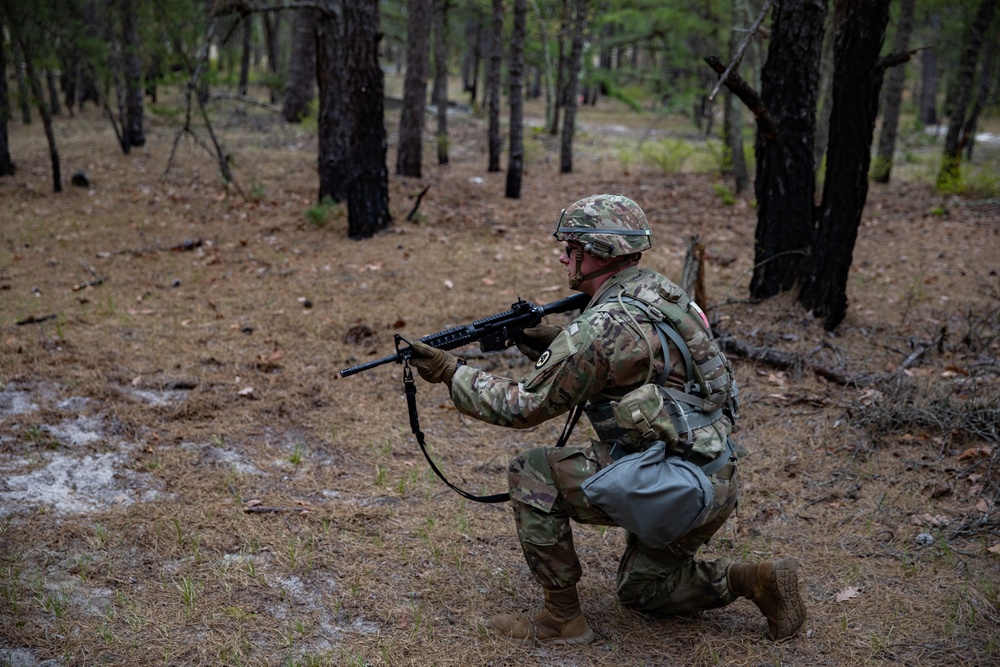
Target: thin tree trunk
x: 493, y: 85
x: 515, y: 166
x: 857, y: 81
x: 825, y: 102
x: 572, y: 89
x: 43, y: 111
x: 244, y: 83
x: 133, y: 128
x: 6, y: 164
x: 50, y: 84
x: 23, y: 88
x: 950, y: 173
x: 893, y: 95
x: 928, y: 76
x: 302, y: 74
x: 272, y: 25
x: 411, y: 119
x: 986, y: 74
x: 440, y: 93
x: 733, y: 112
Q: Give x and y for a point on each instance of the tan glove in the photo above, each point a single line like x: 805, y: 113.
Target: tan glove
x: 434, y: 365
x: 543, y: 333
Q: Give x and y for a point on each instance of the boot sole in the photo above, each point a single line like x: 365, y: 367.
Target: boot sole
x: 785, y: 580
x: 585, y: 638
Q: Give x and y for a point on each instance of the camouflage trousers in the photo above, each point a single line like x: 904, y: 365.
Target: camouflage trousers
x: 545, y: 494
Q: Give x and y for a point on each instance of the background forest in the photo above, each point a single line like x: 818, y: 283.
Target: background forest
x: 209, y: 208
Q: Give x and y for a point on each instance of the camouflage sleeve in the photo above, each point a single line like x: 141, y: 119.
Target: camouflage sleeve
x: 582, y: 360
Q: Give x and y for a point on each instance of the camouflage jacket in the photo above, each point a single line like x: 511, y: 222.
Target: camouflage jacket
x: 599, y: 357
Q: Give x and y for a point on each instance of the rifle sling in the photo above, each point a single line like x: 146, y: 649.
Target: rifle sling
x: 410, y: 387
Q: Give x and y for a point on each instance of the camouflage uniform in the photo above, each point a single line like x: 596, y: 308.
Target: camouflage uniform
x: 602, y: 355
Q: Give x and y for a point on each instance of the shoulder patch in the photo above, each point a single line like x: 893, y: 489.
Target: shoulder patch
x: 542, y: 360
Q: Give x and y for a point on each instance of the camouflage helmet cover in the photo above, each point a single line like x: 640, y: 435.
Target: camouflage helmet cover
x: 606, y: 225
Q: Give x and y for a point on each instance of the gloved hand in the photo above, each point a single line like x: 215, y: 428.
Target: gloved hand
x: 434, y: 365
x: 544, y: 334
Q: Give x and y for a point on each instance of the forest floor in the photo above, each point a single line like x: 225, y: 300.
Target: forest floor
x: 185, y: 480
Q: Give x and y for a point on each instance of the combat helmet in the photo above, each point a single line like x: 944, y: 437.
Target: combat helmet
x: 607, y: 226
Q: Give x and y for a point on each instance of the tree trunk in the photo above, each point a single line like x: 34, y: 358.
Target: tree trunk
x: 6, y: 164
x: 472, y: 57
x: 244, y: 83
x: 857, y: 80
x: 824, y: 101
x: 986, y: 74
x: 493, y: 85
x: 893, y: 95
x: 572, y: 89
x: 352, y: 155
x: 411, y: 119
x: 733, y: 116
x: 950, y: 174
x: 515, y: 166
x: 43, y: 111
x: 440, y: 93
x: 928, y: 76
x: 272, y: 26
x: 50, y: 84
x: 133, y: 128
x: 23, y: 92
x: 784, y: 185
x: 302, y: 72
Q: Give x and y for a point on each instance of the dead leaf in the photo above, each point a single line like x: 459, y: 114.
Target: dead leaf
x: 246, y: 391
x: 488, y: 282
x: 995, y: 549
x: 848, y: 593
x: 448, y: 284
x: 975, y: 452
x: 938, y: 520
x: 982, y: 506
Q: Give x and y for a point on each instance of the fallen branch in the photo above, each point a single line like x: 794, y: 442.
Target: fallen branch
x: 779, y: 359
x: 409, y: 216
x: 32, y: 319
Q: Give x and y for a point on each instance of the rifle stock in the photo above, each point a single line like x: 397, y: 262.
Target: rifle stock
x: 493, y: 333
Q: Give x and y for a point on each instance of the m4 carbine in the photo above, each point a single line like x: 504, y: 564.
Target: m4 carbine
x: 493, y: 333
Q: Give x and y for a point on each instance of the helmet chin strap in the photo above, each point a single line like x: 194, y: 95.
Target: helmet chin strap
x: 580, y: 278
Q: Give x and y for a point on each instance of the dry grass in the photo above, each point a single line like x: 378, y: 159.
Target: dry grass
x: 131, y: 442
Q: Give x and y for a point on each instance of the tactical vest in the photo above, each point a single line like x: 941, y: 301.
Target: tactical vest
x: 709, y: 391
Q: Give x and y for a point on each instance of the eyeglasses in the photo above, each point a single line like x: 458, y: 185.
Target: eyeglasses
x: 570, y: 249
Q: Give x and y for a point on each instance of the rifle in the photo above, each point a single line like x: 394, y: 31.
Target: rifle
x: 493, y: 333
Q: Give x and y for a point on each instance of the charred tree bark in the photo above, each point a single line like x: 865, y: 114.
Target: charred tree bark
x: 784, y: 184
x: 440, y: 93
x: 243, y: 87
x: 893, y: 96
x: 134, y: 129
x: 857, y: 81
x: 352, y: 153
x: 6, y: 164
x: 411, y: 119
x: 302, y: 73
x: 515, y: 165
x: 493, y: 85
x: 572, y: 88
x: 272, y: 25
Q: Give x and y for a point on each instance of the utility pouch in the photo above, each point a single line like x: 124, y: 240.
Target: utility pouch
x: 657, y: 497
x: 652, y: 413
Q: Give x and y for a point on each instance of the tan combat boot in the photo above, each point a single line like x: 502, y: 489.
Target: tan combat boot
x: 774, y: 588
x: 559, y: 621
